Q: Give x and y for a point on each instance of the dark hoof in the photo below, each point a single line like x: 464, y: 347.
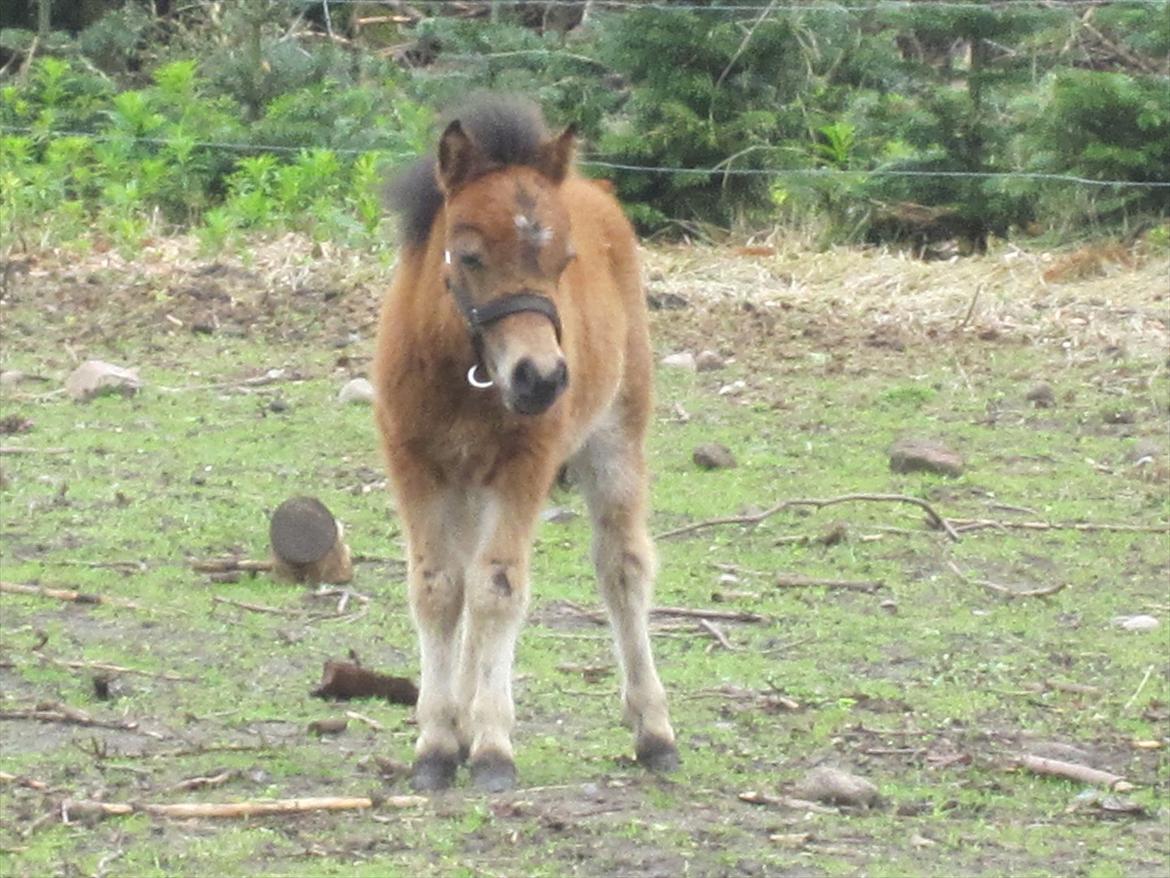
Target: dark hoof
x: 657, y: 754
x: 433, y: 772
x: 493, y: 773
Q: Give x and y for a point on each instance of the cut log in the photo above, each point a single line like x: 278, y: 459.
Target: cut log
x: 308, y: 543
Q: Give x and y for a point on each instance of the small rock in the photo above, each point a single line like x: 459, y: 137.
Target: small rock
x: 683, y: 360
x: 1041, y: 396
x: 709, y: 361
x: 278, y: 405
x: 1145, y: 451
x: 1137, y: 623
x: 921, y: 455
x: 713, y: 456
x: 558, y: 514
x: 12, y: 377
x: 836, y: 787
x: 735, y: 388
x: 331, y: 726
x: 358, y: 390
x: 666, y: 302
x: 95, y: 378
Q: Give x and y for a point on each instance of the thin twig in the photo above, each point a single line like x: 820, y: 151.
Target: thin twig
x: 817, y: 503
x: 114, y: 669
x: 20, y: 449
x: 714, y: 630
x: 1138, y: 691
x: 1003, y: 589
x: 55, y: 712
x: 747, y: 38
x: 971, y: 308
x: 61, y: 594
x: 253, y: 608
x: 230, y: 565
x: 198, y: 783
x: 786, y: 580
x: 966, y: 525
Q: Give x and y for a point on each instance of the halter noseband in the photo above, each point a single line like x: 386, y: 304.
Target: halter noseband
x: 478, y: 317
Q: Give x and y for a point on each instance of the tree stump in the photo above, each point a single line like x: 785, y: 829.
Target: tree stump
x: 308, y: 543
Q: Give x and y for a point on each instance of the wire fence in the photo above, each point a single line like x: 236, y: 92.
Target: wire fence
x: 795, y: 6
x: 765, y: 8
x: 603, y: 164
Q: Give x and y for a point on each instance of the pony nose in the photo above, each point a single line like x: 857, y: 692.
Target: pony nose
x: 534, y: 391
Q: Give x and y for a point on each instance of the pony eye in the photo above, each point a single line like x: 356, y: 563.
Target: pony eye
x: 470, y: 260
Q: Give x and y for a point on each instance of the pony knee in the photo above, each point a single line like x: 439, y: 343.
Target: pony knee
x: 436, y: 597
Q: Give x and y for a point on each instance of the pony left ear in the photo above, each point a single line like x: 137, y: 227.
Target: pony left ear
x: 555, y: 158
x: 457, y: 158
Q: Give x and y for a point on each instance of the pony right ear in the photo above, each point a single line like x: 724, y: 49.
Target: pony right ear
x: 458, y: 158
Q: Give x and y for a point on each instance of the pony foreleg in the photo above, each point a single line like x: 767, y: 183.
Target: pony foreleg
x: 436, y: 600
x: 497, y: 598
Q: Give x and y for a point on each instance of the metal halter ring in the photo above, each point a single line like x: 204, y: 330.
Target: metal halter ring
x: 478, y: 383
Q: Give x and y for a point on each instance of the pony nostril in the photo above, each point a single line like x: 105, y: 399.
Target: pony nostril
x: 524, y: 377
x: 560, y: 376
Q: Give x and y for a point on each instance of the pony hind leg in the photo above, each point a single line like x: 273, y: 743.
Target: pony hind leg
x: 611, y: 472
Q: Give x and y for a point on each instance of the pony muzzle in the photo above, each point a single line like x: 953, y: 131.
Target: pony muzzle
x: 531, y: 389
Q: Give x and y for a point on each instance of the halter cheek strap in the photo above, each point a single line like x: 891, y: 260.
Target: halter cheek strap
x: 480, y: 316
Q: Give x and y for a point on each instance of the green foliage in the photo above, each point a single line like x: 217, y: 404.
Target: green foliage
x: 841, y: 108
x: 174, y: 152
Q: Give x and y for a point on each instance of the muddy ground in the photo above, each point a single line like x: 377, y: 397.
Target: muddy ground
x: 934, y: 668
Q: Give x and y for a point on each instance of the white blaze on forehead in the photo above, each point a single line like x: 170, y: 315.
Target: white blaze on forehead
x: 531, y: 230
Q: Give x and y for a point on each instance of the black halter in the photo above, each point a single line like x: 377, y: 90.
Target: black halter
x: 478, y: 317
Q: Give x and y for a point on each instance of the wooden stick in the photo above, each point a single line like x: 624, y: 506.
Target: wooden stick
x: 817, y: 503
x: 62, y: 594
x: 690, y: 613
x: 1074, y: 771
x: 55, y: 712
x: 787, y: 580
x: 1003, y: 589
x: 712, y: 629
x: 230, y: 565
x: 18, y: 449
x: 966, y: 525
x: 187, y: 810
x: 30, y: 783
x: 115, y: 669
x: 198, y: 783
x: 254, y: 608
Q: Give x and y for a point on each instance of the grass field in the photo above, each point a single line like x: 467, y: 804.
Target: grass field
x: 929, y: 679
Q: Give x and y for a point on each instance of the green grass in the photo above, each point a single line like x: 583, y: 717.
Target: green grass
x: 927, y: 686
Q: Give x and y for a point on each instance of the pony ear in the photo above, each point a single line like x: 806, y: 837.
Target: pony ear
x: 457, y: 157
x: 555, y: 157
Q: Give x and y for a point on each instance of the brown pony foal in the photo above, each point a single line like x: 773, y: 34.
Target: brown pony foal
x: 512, y: 340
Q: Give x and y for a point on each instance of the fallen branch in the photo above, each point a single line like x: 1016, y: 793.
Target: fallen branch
x: 714, y: 630
x: 115, y: 669
x: 1074, y: 771
x: 230, y: 565
x: 691, y: 613
x: 55, y: 712
x: 185, y: 810
x: 20, y: 449
x: 785, y: 580
x: 817, y: 503
x: 253, y: 608
x: 1003, y: 589
x: 967, y: 525
x: 198, y: 783
x: 752, y: 797
x: 61, y: 594
x: 28, y: 782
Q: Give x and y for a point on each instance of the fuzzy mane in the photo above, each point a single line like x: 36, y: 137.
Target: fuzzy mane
x: 507, y: 130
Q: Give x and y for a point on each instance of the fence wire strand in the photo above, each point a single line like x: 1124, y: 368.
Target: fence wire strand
x: 601, y: 163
